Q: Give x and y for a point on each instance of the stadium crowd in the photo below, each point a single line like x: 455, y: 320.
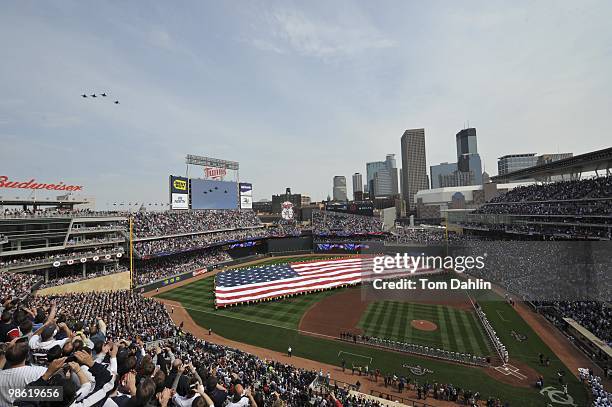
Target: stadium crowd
x: 105, y: 334
x: 186, y: 243
x: 336, y: 223
x: 95, y: 240
x: 167, y: 266
x: 569, y: 208
x: 16, y: 285
x: 427, y: 236
x: 579, y: 287
x: 150, y: 223
x: 95, y: 349
x: 126, y: 313
x: 121, y: 349
x: 598, y: 187
x: 601, y: 398
x: 596, y: 316
x: 577, y: 209
x: 558, y: 201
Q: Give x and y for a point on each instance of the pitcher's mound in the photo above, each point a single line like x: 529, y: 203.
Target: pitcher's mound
x: 423, y: 325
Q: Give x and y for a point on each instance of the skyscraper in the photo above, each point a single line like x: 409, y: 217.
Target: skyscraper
x: 414, y: 168
x: 339, y: 190
x: 443, y: 175
x: 382, y: 177
x: 357, y: 187
x: 468, y: 159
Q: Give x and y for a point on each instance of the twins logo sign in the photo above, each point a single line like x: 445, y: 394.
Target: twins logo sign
x: 214, y: 173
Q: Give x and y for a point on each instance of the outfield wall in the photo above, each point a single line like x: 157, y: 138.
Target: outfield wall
x: 165, y: 282
x: 289, y: 244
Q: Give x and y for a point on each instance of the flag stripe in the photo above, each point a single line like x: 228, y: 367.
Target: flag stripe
x: 271, y: 281
x: 289, y: 280
x: 281, y: 291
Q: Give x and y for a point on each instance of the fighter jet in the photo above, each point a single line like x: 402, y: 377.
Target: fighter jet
x: 93, y: 95
x: 116, y: 102
x: 84, y: 95
x: 103, y: 94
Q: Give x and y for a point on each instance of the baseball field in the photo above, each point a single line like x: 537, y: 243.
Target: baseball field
x: 311, y: 323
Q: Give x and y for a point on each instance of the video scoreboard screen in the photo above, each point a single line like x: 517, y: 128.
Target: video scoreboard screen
x: 211, y: 194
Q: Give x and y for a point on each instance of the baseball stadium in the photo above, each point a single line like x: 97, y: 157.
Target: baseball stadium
x: 310, y: 303
x: 305, y: 204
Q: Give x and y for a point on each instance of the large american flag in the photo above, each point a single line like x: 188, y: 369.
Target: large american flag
x: 277, y: 280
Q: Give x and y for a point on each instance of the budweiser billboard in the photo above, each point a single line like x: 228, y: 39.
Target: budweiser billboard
x: 5, y: 182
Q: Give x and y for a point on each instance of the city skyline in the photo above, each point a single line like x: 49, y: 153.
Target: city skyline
x: 234, y: 81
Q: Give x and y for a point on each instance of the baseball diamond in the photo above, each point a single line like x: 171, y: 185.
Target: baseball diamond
x: 274, y: 324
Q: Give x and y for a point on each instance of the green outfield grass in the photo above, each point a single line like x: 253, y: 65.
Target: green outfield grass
x: 273, y: 325
x: 458, y: 330
x: 286, y: 313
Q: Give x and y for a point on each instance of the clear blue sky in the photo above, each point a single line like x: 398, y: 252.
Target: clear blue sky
x: 296, y: 92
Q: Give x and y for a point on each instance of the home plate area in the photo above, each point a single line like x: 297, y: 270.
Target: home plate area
x: 509, y: 370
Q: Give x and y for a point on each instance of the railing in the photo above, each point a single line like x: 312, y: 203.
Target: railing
x: 50, y: 260
x: 200, y: 232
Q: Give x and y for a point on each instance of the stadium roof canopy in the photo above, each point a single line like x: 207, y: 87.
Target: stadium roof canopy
x: 593, y: 161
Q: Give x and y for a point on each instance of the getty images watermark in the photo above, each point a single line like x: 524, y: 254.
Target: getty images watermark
x: 393, y: 268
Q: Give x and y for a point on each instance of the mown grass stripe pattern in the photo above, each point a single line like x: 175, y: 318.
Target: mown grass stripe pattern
x: 258, y: 325
x: 456, y: 331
